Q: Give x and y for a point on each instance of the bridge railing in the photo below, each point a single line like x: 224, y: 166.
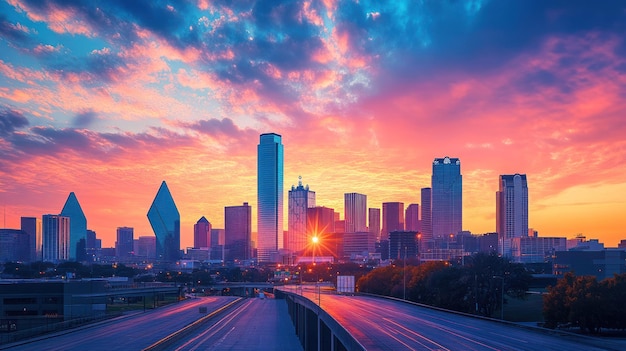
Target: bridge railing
x: 315, y: 328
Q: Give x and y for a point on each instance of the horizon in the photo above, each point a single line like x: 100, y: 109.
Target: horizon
x: 108, y: 99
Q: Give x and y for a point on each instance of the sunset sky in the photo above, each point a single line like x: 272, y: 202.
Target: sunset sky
x: 109, y: 98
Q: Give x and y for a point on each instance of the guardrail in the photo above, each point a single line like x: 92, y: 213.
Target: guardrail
x: 316, y: 329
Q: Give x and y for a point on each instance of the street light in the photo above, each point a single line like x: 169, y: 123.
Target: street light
x: 501, y: 296
x: 315, y: 240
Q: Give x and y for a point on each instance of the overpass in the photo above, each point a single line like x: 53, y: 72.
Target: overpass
x: 326, y: 321
x: 316, y: 320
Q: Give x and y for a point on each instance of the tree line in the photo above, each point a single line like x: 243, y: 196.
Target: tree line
x: 582, y: 301
x: 476, y: 287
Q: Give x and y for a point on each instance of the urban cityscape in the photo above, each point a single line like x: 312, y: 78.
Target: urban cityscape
x: 331, y: 175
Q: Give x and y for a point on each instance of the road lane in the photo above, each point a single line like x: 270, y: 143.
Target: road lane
x: 129, y: 333
x: 382, y: 324
x: 256, y: 324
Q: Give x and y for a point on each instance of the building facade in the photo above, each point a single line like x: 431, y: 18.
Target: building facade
x: 202, y: 233
x: 146, y: 247
x: 511, y: 210
x: 427, y: 226
x: 55, y: 232
x: 447, y: 197
x: 527, y: 249
x: 78, y: 225
x: 393, y: 218
x: 238, y: 232
x: 164, y: 218
x: 270, y: 174
x: 373, y: 220
x: 14, y: 245
x: 321, y: 221
x: 355, y: 213
x: 411, y: 218
x: 403, y: 245
x: 300, y: 200
x: 32, y: 227
x: 125, y: 243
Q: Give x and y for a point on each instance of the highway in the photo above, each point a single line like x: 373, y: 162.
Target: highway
x: 133, y: 332
x: 255, y: 324
x: 381, y: 324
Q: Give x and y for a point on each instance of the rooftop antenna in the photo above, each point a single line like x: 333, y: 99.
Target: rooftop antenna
x: 300, y: 181
x: 5, y: 216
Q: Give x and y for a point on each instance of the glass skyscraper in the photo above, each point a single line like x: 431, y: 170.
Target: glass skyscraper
x: 512, y: 206
x: 427, y: 226
x: 55, y: 237
x: 124, y: 245
x: 78, y: 224
x: 270, y: 173
x: 238, y: 232
x: 165, y: 221
x: 374, y: 222
x: 300, y: 199
x: 411, y: 218
x: 447, y: 197
x: 355, y: 212
x: 393, y: 218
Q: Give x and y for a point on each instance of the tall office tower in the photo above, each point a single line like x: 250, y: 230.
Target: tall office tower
x: 411, y: 218
x: 393, y: 218
x: 78, y: 224
x: 165, y: 221
x: 270, y: 174
x: 300, y: 199
x: 238, y: 232
x: 512, y: 206
x: 55, y: 238
x: 124, y: 246
x: 427, y: 226
x: 447, y: 197
x: 146, y: 247
x: 374, y: 222
x: 32, y: 227
x: 355, y: 212
x: 202, y: 233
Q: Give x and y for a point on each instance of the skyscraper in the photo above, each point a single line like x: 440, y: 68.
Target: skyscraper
x: 411, y: 218
x: 447, y: 197
x: 393, y: 218
x: 124, y: 245
x: 202, y: 233
x: 355, y: 207
x: 374, y: 222
x: 270, y: 174
x: 512, y: 206
x: 300, y: 199
x: 165, y: 221
x: 427, y: 226
x: 238, y: 232
x: 32, y: 227
x: 55, y: 238
x: 78, y: 224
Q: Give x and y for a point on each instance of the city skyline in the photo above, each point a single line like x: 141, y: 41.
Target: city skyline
x: 365, y: 95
